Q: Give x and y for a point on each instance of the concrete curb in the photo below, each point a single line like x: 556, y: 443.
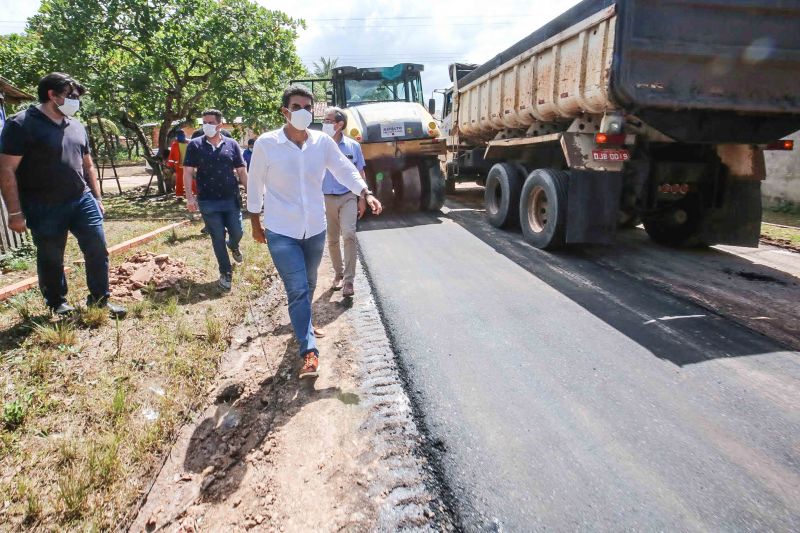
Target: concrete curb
x: 28, y: 283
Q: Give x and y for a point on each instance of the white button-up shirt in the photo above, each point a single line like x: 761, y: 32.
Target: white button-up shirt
x: 287, y: 181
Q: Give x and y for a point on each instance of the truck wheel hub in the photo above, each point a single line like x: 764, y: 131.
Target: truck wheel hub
x: 537, y: 209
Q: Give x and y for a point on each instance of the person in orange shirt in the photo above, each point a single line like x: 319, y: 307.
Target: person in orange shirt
x: 176, y: 154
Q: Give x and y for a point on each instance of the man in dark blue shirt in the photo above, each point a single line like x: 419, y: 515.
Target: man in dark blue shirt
x: 248, y: 153
x: 49, y: 184
x: 215, y: 161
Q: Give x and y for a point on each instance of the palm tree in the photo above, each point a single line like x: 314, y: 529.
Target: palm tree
x: 325, y: 67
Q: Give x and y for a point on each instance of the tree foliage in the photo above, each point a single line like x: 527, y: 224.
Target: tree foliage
x: 324, y: 68
x: 164, y: 59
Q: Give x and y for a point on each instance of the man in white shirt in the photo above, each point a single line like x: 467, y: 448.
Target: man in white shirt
x: 285, y: 178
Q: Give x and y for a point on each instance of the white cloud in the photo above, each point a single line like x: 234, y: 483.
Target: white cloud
x: 432, y: 32
x: 369, y: 33
x: 14, y: 13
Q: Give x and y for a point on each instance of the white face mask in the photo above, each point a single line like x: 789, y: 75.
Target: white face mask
x: 330, y: 129
x: 70, y: 106
x: 301, y: 119
x: 210, y: 129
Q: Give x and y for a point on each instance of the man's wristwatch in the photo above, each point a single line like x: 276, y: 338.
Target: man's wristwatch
x: 367, y: 192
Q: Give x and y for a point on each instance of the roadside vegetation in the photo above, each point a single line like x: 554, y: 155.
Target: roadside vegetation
x: 784, y: 236
x: 90, y: 405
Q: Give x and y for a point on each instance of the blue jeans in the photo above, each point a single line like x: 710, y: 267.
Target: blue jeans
x: 297, y: 261
x: 50, y: 225
x: 221, y: 215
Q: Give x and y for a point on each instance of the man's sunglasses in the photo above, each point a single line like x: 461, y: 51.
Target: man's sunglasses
x: 296, y: 107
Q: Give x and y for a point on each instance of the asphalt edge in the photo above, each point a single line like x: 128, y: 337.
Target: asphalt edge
x: 420, y: 498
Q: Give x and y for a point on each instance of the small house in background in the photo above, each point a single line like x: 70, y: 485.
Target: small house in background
x: 10, y: 95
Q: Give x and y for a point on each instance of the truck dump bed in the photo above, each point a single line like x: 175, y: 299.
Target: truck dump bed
x: 697, y: 70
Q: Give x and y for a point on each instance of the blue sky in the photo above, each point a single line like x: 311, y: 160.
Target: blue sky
x: 366, y: 33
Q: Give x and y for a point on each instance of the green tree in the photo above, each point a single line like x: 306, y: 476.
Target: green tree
x: 324, y: 68
x: 168, y: 59
x: 20, y: 57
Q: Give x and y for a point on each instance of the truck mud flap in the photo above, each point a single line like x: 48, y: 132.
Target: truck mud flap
x: 738, y: 221
x: 593, y: 206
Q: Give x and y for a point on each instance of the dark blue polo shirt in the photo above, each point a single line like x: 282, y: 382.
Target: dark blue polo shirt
x: 216, y: 167
x: 51, y: 169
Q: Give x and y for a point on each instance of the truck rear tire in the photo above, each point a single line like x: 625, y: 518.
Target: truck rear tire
x: 543, y: 208
x: 433, y: 185
x: 678, y: 225
x: 501, y: 197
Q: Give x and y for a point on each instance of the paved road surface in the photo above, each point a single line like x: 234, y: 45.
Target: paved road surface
x: 567, y: 395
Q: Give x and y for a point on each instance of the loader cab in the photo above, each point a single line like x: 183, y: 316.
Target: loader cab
x: 357, y: 86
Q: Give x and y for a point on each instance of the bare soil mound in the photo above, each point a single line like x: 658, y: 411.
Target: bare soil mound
x: 147, y: 270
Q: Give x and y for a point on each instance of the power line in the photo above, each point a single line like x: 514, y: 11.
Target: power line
x: 432, y: 25
x: 511, y: 16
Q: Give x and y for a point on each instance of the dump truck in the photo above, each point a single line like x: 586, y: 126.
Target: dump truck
x: 400, y: 139
x: 624, y: 111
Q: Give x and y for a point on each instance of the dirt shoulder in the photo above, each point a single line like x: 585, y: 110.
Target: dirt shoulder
x: 90, y: 405
x: 272, y: 453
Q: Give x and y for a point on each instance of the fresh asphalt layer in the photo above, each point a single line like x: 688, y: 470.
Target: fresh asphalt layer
x: 564, y: 395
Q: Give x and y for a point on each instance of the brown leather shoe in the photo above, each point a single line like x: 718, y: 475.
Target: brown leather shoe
x: 347, y: 289
x: 318, y: 332
x: 338, y: 281
x: 310, y: 366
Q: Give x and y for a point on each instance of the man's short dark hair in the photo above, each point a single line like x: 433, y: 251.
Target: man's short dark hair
x: 295, y: 90
x: 214, y: 112
x: 338, y: 115
x: 60, y: 83
x: 251, y: 141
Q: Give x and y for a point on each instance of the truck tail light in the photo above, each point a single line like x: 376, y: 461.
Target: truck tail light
x: 781, y: 145
x: 608, y: 138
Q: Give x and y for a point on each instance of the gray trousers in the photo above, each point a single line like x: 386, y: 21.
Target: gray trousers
x: 342, y: 214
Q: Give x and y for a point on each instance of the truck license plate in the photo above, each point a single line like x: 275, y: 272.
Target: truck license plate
x: 611, y: 154
x: 391, y: 130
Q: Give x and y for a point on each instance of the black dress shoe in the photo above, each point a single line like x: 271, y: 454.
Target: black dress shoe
x: 116, y: 311
x: 63, y: 310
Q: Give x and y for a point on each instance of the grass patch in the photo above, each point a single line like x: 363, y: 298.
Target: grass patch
x: 82, y: 425
x: 19, y: 259
x: 213, y: 329
x: 93, y: 317
x: 40, y: 364
x: 786, y: 235
x: 60, y: 334
x: 23, y: 305
x: 31, y: 503
x: 73, y: 492
x: 786, y: 215
x: 130, y: 205
x: 14, y: 413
